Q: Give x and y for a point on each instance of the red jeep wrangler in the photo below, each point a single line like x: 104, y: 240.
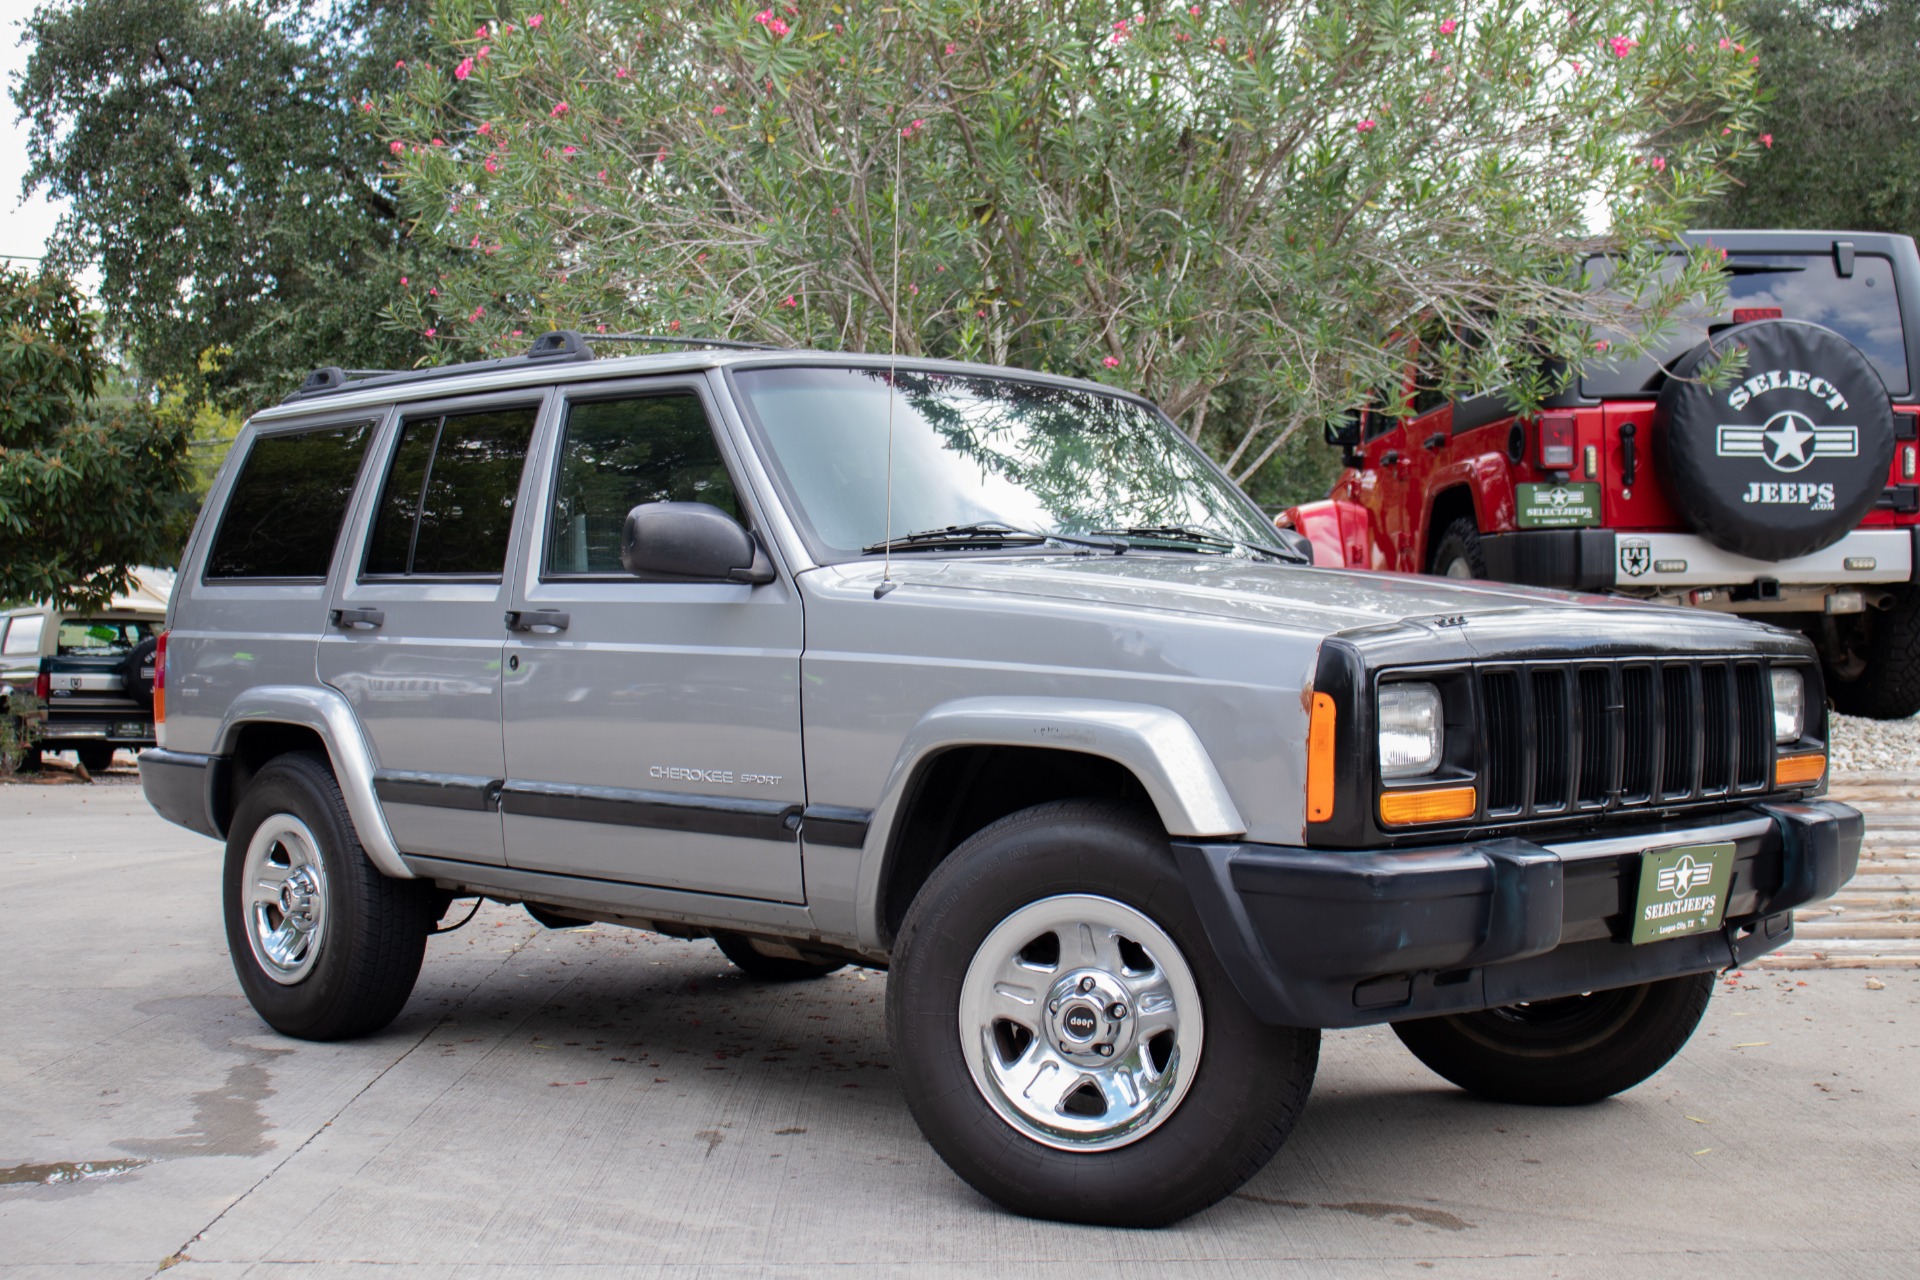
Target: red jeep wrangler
x: 1788, y: 495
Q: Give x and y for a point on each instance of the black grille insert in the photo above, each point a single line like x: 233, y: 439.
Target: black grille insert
x: 1560, y: 738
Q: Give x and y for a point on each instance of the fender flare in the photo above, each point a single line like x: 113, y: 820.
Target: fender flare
x: 1156, y: 745
x: 330, y: 716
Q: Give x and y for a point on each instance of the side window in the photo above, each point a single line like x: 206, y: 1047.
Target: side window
x: 617, y: 454
x: 100, y: 637
x: 285, y: 509
x: 23, y: 637
x: 447, y: 505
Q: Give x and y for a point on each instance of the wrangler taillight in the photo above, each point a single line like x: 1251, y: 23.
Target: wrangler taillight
x: 160, y: 682
x: 1556, y: 442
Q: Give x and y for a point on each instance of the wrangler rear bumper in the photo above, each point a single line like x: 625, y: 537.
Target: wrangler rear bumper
x: 1321, y: 938
x: 1605, y: 560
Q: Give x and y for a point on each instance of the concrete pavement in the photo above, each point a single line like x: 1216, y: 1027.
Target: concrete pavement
x: 599, y: 1103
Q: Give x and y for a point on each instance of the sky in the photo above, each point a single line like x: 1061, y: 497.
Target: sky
x: 24, y: 227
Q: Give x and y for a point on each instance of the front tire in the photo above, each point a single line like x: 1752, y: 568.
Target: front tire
x: 324, y: 945
x: 1064, y: 1035
x: 1558, y: 1053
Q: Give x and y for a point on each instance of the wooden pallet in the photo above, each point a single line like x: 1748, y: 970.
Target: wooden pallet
x: 1874, y: 921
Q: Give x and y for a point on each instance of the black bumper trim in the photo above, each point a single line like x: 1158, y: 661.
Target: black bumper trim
x: 1571, y: 559
x: 1328, y: 939
x: 177, y: 785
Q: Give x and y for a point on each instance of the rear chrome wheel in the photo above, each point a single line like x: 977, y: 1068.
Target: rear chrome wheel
x: 287, y: 898
x: 1081, y: 1023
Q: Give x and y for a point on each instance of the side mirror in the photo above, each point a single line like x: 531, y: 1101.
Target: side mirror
x: 690, y: 542
x: 1345, y: 430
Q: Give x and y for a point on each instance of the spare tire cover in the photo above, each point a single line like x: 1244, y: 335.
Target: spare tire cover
x: 136, y: 671
x: 1786, y: 460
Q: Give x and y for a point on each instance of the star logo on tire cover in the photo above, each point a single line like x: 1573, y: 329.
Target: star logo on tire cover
x: 1787, y: 441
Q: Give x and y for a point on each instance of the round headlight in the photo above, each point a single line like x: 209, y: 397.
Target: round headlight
x: 1789, y: 704
x: 1411, y: 730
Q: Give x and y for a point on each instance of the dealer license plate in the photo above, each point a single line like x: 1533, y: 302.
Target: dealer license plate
x: 1574, y: 505
x: 1682, y: 890
x: 133, y: 729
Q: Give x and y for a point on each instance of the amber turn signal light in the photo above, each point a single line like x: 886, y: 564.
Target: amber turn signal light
x: 1448, y: 804
x: 1791, y: 770
x: 1320, y: 759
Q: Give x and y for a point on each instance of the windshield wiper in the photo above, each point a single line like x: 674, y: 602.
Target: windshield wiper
x: 1199, y: 537
x: 990, y: 533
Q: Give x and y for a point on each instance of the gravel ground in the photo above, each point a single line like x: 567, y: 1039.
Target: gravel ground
x: 1859, y: 745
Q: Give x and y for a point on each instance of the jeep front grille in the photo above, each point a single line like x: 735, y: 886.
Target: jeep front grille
x: 1588, y: 737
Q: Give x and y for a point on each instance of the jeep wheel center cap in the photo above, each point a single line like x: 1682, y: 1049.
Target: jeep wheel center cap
x: 1786, y: 458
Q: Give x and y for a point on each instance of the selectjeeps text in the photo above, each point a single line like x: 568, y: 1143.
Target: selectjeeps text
x: 986, y: 678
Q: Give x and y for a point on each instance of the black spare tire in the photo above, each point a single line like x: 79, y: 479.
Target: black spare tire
x: 136, y: 671
x: 1786, y: 460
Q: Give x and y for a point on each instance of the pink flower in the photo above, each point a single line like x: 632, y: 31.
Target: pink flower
x: 1658, y: 162
x: 980, y: 315
x: 516, y: 333
x: 1367, y: 126
x: 567, y: 151
x: 952, y: 49
x: 397, y: 146
x: 476, y: 241
x: 1111, y: 362
x: 1579, y: 70
x: 559, y: 109
x: 367, y: 107
x: 486, y: 127
x: 719, y: 111
x: 533, y: 23
x: 403, y: 282
x: 1766, y: 140
x: 485, y: 49
x: 492, y: 165
x: 789, y: 302
x: 464, y: 70
x: 1755, y: 60
x: 427, y: 333
x: 1622, y: 45
x: 600, y: 176
x: 1601, y: 345
x: 1194, y: 10
x: 764, y: 17
x: 400, y: 65
x: 913, y: 128
x: 673, y: 326
x: 621, y: 73
x: 1448, y: 27
x: 439, y: 142
x: 476, y: 314
x: 779, y: 27
x: 480, y: 32
x: 434, y: 293
x: 1725, y: 43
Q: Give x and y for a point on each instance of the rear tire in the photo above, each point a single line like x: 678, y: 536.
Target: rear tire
x: 739, y: 949
x: 1559, y: 1053
x: 324, y: 945
x: 97, y: 757
x: 1872, y: 660
x: 996, y: 1031
x: 1458, y: 554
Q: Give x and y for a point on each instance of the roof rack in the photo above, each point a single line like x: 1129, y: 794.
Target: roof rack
x: 560, y: 346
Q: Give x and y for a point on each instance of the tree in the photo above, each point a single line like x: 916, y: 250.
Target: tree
x: 1226, y: 206
x: 1843, y: 121
x: 87, y: 491
x: 221, y: 181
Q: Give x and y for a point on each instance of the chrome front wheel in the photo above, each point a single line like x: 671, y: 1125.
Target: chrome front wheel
x: 1081, y: 1023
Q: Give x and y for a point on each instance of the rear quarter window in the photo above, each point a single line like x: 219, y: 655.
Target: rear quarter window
x: 23, y: 637
x: 285, y: 509
x: 101, y: 637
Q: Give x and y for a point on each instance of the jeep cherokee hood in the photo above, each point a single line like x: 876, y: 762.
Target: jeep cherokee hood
x: 1296, y: 597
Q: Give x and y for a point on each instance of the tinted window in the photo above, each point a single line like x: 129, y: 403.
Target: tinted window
x: 23, y: 637
x: 101, y: 637
x: 1862, y: 308
x: 447, y: 505
x: 284, y: 512
x: 617, y: 454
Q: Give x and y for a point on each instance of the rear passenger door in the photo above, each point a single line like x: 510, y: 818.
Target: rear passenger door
x: 416, y: 620
x: 652, y: 728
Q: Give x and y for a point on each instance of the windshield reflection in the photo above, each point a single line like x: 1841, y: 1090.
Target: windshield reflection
x: 971, y: 450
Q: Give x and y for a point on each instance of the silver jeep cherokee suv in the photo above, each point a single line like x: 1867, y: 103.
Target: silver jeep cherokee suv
x: 986, y: 678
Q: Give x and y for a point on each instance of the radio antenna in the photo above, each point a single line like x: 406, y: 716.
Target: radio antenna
x: 893, y: 356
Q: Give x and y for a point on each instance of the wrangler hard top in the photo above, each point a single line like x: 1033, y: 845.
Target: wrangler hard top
x: 986, y: 678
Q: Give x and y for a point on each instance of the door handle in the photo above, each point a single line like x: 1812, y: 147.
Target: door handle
x: 1435, y: 441
x: 551, y: 621
x: 358, y: 619
x: 1391, y: 458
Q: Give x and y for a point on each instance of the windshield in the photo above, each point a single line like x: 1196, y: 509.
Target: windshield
x: 1862, y: 308
x: 971, y: 450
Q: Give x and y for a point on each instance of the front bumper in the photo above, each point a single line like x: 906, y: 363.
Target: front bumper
x: 1319, y: 938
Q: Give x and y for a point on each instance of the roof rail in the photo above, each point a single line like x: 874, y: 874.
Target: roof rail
x: 678, y: 341
x: 559, y: 346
